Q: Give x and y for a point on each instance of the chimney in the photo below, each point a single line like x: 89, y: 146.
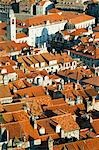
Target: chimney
x: 14, y: 90
x: 7, y: 136
x: 24, y: 138
x: 68, y: 52
x: 46, y: 89
x: 58, y: 128
x: 26, y: 107
x: 64, y: 148
x: 42, y: 130
x: 35, y: 124
x: 68, y: 80
x: 47, y: 22
x: 91, y: 120
x: 76, y: 86
x: 26, y: 95
x: 74, y: 117
x: 62, y: 134
x: 50, y: 143
x: 53, y: 51
x: 93, y: 101
x: 60, y: 13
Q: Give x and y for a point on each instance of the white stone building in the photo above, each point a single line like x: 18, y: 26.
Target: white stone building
x: 41, y: 7
x: 41, y: 28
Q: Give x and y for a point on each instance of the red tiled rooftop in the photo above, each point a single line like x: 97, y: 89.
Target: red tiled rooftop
x: 20, y: 35
x: 95, y: 125
x: 41, y: 100
x: 93, y: 81
x: 5, y: 92
x: 13, y: 107
x: 80, y: 145
x: 10, y: 46
x: 3, y: 25
x: 80, y: 18
x: 79, y: 32
x: 43, y: 18
x: 2, y: 32
x: 67, y: 122
x: 54, y: 10
x: 31, y: 91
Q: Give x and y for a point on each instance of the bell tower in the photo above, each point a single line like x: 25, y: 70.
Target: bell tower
x: 12, y: 25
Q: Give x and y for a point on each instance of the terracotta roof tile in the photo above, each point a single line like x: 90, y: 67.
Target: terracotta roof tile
x: 80, y: 18
x: 44, y: 18
x: 20, y: 74
x: 95, y: 125
x: 67, y: 122
x: 64, y: 108
x: 80, y: 145
x: 7, y: 61
x: 20, y: 35
x: 11, y: 46
x: 8, y: 69
x: 19, y: 84
x: 3, y: 25
x: 58, y: 101
x: 4, y: 92
x: 76, y: 74
x: 7, y: 117
x: 13, y: 107
x: 91, y: 92
x: 31, y: 91
x: 93, y: 143
x: 2, y: 32
x: 41, y: 100
x: 79, y: 32
x: 96, y: 35
x: 41, y: 3
x: 54, y: 10
x: 64, y: 32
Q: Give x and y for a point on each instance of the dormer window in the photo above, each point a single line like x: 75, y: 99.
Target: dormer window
x: 42, y: 131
